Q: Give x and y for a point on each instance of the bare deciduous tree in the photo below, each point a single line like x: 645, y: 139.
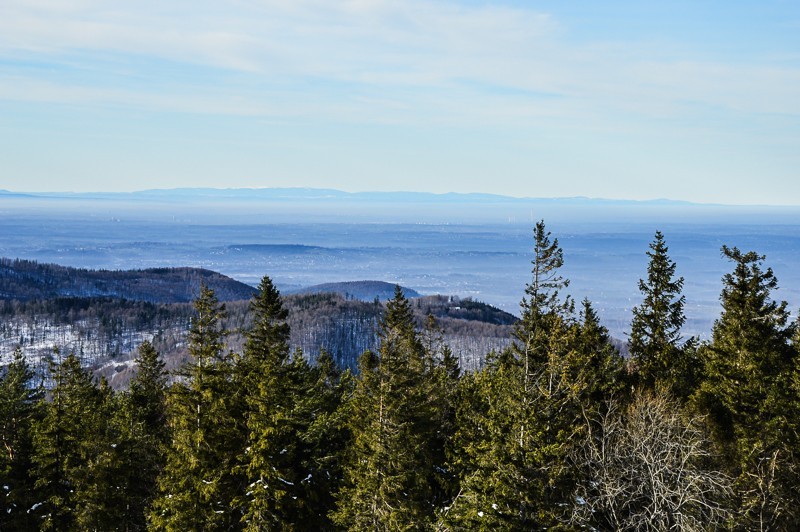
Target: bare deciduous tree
x: 644, y: 470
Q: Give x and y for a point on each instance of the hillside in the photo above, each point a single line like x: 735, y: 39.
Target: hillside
x: 347, y: 327
x: 361, y: 290
x: 103, y: 316
x: 467, y: 309
x: 24, y: 280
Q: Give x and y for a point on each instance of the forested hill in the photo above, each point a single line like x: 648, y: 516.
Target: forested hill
x: 25, y: 280
x: 361, y: 290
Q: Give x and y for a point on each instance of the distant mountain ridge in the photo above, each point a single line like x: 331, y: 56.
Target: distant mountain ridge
x: 26, y: 280
x: 8, y: 193
x: 327, y: 195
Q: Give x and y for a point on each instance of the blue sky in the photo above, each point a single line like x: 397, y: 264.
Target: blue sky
x: 694, y: 100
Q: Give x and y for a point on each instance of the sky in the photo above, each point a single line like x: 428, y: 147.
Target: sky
x: 694, y: 100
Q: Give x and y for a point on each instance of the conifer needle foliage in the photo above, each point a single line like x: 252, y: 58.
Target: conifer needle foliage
x: 558, y: 431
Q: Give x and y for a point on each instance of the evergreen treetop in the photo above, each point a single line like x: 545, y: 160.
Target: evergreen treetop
x: 206, y: 336
x: 749, y: 314
x: 148, y: 387
x: 546, y: 281
x: 269, y: 335
x: 655, y: 339
x: 389, y: 471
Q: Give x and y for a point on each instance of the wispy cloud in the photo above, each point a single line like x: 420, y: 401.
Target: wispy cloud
x: 369, y: 59
x: 409, y: 90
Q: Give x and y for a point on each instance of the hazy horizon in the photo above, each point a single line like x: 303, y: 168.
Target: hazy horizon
x: 400, y: 193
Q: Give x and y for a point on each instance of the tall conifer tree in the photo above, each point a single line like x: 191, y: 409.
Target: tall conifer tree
x: 747, y: 392
x: 19, y: 408
x: 445, y: 374
x: 143, y: 438
x: 543, y: 310
x: 197, y: 486
x: 389, y: 468
x: 655, y: 340
x: 74, y: 453
x: 323, y: 441
x: 514, y: 467
x: 597, y: 364
x: 272, y: 384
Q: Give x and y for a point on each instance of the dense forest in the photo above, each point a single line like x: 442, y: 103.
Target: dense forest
x: 104, y: 333
x: 555, y: 431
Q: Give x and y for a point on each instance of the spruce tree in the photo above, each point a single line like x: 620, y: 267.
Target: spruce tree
x: 597, y: 362
x: 493, y: 483
x: 542, y: 308
x: 55, y: 454
x: 655, y: 341
x: 197, y: 485
x: 514, y: 465
x: 143, y: 438
x: 747, y: 392
x: 74, y: 453
x: 547, y: 396
x: 148, y: 391
x: 323, y: 441
x: 443, y: 390
x: 99, y: 493
x: 272, y: 384
x: 19, y: 409
x: 388, y: 472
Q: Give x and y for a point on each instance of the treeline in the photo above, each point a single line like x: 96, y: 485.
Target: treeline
x: 95, y: 329
x: 346, y: 328
x: 104, y: 333
x: 107, y: 312
x: 556, y: 431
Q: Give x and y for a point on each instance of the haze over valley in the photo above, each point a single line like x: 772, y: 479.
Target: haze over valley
x: 476, y: 246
